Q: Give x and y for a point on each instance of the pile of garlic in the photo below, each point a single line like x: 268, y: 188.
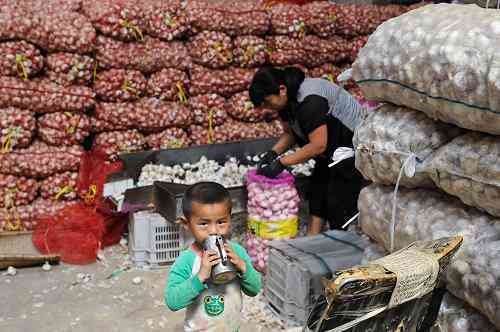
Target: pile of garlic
x: 230, y: 174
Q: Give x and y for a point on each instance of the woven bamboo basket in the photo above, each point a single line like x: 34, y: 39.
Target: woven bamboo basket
x: 17, y: 250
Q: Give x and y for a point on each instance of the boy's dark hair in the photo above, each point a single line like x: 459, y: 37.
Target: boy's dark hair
x: 204, y: 193
x: 267, y: 81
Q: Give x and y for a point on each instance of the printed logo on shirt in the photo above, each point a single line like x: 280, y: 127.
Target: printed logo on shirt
x: 214, y: 305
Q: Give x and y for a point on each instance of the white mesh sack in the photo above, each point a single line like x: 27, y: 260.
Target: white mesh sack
x: 393, y: 137
x: 439, y: 59
x: 421, y: 214
x: 469, y: 168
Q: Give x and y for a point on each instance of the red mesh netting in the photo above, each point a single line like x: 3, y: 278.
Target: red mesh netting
x: 77, y: 232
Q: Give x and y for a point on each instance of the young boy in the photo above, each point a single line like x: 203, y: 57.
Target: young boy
x: 210, y: 307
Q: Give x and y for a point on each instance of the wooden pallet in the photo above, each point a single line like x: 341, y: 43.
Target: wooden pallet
x: 353, y: 293
x: 17, y: 250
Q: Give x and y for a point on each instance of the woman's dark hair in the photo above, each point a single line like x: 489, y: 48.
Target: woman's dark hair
x: 267, y: 81
x: 204, y: 193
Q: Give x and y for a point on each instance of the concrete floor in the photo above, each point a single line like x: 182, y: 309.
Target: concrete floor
x: 59, y: 301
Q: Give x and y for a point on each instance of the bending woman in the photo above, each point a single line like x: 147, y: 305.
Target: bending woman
x: 320, y: 117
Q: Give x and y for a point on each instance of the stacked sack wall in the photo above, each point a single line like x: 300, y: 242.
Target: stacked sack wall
x: 124, y: 76
x: 441, y: 142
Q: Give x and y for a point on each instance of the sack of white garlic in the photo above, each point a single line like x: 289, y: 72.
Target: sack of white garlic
x: 391, y: 137
x: 434, y: 66
x: 422, y: 214
x: 456, y: 316
x: 469, y: 168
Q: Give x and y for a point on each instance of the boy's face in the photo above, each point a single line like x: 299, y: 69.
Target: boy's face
x: 209, y: 219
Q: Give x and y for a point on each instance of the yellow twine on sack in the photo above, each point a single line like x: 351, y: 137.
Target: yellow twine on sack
x: 226, y: 55
x: 174, y: 143
x: 70, y: 130
x: 269, y: 4
x: 9, y: 225
x: 248, y: 106
x: 269, y: 51
x: 210, y: 126
x: 90, y: 194
x: 21, y: 68
x: 249, y: 53
x: 7, y: 141
x: 135, y: 30
x: 169, y: 21
x: 330, y: 78
x: 302, y: 30
x: 332, y: 17
x: 9, y: 197
x: 94, y: 71
x: 181, y: 93
x: 64, y: 191
x: 127, y: 87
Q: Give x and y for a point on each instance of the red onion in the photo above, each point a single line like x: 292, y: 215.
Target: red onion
x: 166, y: 20
x: 169, y: 84
x: 288, y: 19
x: 208, y: 110
x: 62, y: 31
x: 40, y: 6
x: 240, y: 107
x: 149, y: 56
x: 357, y: 44
x: 41, y: 160
x: 44, y: 96
x: 70, y: 69
x: 284, y: 50
x: 17, y: 128
x: 25, y: 217
x: 235, y: 18
x: 122, y: 19
x: 224, y: 82
x: 321, y: 18
x: 60, y: 186
x: 211, y: 49
x: 119, y: 85
x: 170, y: 138
x: 249, y: 51
x: 19, y: 59
x: 146, y: 114
x: 114, y: 143
x: 319, y: 51
x: 63, y: 128
x: 201, y: 135
x: 357, y: 20
x: 349, y: 21
x: 15, y: 191
x: 234, y: 131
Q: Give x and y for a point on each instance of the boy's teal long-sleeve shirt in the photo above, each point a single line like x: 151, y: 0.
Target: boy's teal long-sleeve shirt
x: 185, y: 290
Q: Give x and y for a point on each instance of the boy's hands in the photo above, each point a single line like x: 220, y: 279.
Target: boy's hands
x: 210, y: 258
x: 235, y: 259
